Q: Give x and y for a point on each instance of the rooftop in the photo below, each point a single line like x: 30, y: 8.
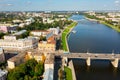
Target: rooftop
x: 48, y: 75
x: 49, y: 59
x: 3, y: 72
x: 17, y: 57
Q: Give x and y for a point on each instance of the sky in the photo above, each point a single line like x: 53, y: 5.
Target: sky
x: 58, y: 5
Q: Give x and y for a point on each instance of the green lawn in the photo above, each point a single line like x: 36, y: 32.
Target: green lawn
x: 112, y: 26
x: 68, y: 73
x: 64, y: 35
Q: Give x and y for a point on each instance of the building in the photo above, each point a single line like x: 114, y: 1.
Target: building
x: 18, y: 44
x: 39, y: 33
x: 20, y: 32
x: 55, y: 30
x: 29, y: 21
x: 2, y: 56
x: 7, y: 28
x: 22, y: 57
x: 49, y: 67
x: 16, y: 60
x: 48, y: 74
x: 47, y: 20
x: 3, y: 74
x: 49, y: 45
x: 37, y: 55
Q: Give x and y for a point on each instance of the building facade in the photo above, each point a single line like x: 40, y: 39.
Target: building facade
x: 7, y: 28
x: 2, y: 56
x: 20, y: 44
x: 3, y: 74
x: 49, y: 45
x: 39, y: 32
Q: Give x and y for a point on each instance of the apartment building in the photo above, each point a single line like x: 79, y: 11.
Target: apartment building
x: 11, y: 43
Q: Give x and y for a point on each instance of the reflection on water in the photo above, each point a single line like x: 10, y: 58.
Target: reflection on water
x: 91, y: 35
x: 99, y: 70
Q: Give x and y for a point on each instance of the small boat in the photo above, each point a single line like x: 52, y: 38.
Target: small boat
x: 74, y: 31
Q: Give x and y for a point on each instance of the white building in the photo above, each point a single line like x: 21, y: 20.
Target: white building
x: 29, y: 21
x: 55, y: 30
x: 20, y: 44
x: 47, y: 20
x: 3, y: 74
x: 39, y: 32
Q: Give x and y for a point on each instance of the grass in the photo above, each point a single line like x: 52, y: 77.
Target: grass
x: 112, y: 26
x: 68, y: 73
x: 107, y: 24
x: 64, y: 35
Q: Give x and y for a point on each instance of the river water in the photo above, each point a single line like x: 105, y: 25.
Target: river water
x: 95, y: 38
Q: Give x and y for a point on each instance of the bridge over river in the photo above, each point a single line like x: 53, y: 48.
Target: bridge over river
x: 114, y: 58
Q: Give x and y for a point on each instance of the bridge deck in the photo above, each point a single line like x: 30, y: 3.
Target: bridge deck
x: 91, y: 55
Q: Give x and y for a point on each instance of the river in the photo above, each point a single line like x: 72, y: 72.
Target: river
x: 95, y: 38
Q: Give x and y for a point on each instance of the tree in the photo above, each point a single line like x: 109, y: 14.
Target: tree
x: 39, y: 69
x: 30, y: 70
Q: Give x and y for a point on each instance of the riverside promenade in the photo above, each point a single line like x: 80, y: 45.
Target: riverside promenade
x: 65, y: 33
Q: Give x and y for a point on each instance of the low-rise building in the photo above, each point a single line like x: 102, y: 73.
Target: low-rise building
x: 3, y: 74
x: 20, y: 32
x: 7, y: 28
x: 2, y: 56
x: 49, y: 45
x: 55, y: 30
x: 39, y: 32
x: 16, y: 60
x: 18, y: 44
x: 49, y: 67
x: 37, y: 55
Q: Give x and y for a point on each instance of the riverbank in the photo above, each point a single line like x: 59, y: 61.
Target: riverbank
x: 103, y: 22
x: 68, y: 73
x: 65, y: 33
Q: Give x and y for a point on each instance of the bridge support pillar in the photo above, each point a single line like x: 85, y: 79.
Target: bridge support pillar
x: 88, y: 61
x: 65, y: 61
x: 115, y: 62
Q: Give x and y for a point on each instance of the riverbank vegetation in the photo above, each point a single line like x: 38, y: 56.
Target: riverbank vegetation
x: 64, y: 35
x: 68, y: 73
x: 108, y: 23
x: 30, y: 70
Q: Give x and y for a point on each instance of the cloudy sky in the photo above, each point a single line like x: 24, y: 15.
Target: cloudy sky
x: 33, y: 5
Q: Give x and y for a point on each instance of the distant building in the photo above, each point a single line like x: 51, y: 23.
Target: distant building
x: 55, y: 30
x: 2, y: 56
x: 7, y: 28
x: 3, y: 74
x: 47, y: 20
x: 19, y: 33
x: 29, y: 21
x: 18, y: 44
x: 39, y: 32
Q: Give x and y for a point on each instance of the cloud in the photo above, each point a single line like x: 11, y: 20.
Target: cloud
x: 117, y: 2
x: 28, y: 2
x: 6, y: 4
x: 9, y: 4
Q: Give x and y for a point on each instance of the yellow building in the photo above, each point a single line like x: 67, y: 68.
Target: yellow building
x: 49, y: 45
x: 37, y: 56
